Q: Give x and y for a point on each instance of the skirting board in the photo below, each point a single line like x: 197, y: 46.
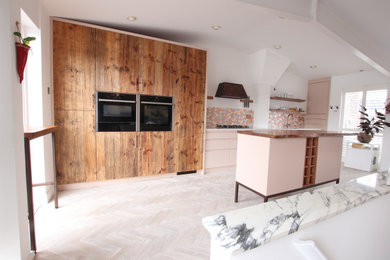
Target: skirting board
x: 91, y: 184
x: 217, y: 169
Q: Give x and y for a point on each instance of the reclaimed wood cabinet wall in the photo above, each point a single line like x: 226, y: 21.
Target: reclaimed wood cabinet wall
x: 87, y: 59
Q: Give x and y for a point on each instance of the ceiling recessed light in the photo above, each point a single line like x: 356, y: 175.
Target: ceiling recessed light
x: 216, y: 27
x: 277, y: 46
x: 313, y: 66
x: 131, y: 18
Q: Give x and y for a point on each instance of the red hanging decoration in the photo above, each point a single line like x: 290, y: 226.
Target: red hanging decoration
x: 22, y: 54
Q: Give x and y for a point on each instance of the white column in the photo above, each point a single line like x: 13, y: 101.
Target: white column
x: 14, y: 239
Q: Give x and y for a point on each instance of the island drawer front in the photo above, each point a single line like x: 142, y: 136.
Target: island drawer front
x: 212, y: 135
x: 221, y: 144
x: 220, y: 158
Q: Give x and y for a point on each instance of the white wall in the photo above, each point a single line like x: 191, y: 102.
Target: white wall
x: 47, y: 106
x: 14, y: 236
x: 225, y: 64
x: 292, y: 84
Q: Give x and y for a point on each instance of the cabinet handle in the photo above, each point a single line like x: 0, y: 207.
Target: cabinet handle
x: 116, y: 100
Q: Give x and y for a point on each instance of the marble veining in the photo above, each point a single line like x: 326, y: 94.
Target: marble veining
x: 247, y: 228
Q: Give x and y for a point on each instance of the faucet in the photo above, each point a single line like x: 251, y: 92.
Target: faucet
x: 287, y: 122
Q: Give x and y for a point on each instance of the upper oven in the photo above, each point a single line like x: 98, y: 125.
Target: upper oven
x: 155, y: 113
x: 115, y: 112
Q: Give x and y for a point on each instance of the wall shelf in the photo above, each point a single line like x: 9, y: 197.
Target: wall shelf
x: 243, y: 100
x: 288, y: 99
x: 287, y: 110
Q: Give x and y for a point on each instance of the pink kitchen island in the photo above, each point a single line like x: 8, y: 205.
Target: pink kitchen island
x: 274, y: 162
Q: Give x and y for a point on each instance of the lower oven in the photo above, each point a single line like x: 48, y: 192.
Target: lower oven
x: 155, y: 113
x: 115, y: 112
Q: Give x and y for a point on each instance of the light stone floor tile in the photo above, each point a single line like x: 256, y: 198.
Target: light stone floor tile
x: 151, y: 219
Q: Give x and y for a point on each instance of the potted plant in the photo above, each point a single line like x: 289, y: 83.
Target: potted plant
x: 22, y: 48
x: 368, y: 127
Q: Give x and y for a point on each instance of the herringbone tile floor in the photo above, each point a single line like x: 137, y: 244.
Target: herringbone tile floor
x: 154, y: 219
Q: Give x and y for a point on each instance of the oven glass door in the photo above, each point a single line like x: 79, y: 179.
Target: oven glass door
x: 155, y: 117
x: 114, y: 115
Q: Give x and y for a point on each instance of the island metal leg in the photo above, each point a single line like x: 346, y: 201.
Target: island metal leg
x: 236, y: 193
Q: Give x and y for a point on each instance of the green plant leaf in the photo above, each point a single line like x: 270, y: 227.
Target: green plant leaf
x: 361, y: 112
x: 18, y: 34
x: 379, y: 113
x: 27, y: 40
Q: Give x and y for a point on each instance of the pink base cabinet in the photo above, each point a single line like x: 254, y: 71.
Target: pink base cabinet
x: 273, y: 166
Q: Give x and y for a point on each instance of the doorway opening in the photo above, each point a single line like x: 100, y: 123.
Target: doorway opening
x: 33, y: 106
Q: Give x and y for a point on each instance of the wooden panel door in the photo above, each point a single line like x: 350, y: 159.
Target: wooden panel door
x: 116, y: 154
x: 155, y: 153
x: 146, y: 66
x: 188, y: 75
x: 75, y: 146
x: 117, y: 63
x: 317, y: 107
x: 188, y: 154
x: 73, y: 66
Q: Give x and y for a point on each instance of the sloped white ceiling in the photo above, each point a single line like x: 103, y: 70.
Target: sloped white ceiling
x: 245, y: 27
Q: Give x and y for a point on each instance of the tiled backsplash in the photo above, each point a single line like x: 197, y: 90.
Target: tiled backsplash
x: 278, y: 119
x: 229, y: 116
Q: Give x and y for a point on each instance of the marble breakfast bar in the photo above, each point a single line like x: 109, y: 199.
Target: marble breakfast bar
x: 234, y: 232
x: 273, y: 162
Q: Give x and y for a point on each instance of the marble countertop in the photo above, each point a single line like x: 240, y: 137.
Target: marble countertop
x: 247, y: 228
x: 293, y: 133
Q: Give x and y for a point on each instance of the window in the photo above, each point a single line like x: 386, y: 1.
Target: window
x: 353, y: 100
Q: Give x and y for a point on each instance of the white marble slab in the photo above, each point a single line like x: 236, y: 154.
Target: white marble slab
x: 247, y: 228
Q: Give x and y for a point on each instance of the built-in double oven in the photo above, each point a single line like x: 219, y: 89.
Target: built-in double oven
x: 118, y: 112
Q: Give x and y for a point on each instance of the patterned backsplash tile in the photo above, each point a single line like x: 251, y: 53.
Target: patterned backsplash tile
x: 229, y: 116
x: 278, y: 119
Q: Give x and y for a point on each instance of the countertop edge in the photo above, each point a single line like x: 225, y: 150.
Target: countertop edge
x: 293, y: 133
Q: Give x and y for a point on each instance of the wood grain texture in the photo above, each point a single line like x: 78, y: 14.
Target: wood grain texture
x: 70, y: 143
x: 98, y: 60
x: 116, y: 155
x: 117, y: 62
x: 73, y: 66
x: 155, y: 153
x: 89, y: 136
x: 146, y: 67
